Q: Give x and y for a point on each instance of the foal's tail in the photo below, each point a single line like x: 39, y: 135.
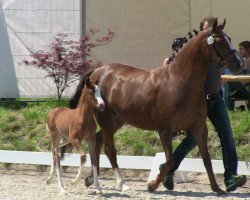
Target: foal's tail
x: 76, y: 96
x: 66, y: 148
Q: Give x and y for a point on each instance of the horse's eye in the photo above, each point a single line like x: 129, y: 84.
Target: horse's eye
x: 217, y: 39
x: 92, y: 93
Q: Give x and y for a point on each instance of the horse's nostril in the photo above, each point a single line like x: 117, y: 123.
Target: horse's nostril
x: 239, y: 65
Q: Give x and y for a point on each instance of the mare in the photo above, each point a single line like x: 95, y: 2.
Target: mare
x: 73, y: 125
x: 159, y: 99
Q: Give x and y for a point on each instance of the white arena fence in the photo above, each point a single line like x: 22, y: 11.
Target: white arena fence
x: 126, y: 162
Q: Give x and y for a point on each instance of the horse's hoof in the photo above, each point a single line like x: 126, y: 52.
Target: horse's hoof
x: 221, y: 193
x: 125, y: 188
x: 151, y: 187
x: 89, y: 181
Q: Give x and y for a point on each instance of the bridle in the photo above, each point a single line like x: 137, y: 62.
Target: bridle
x: 223, y: 58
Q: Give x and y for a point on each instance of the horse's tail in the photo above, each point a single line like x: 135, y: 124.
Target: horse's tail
x: 77, y: 94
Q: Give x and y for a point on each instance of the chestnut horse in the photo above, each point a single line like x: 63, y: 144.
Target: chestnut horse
x: 73, y: 125
x: 165, y: 99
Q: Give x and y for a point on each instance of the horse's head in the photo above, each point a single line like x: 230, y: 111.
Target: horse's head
x: 94, y: 95
x: 220, y: 48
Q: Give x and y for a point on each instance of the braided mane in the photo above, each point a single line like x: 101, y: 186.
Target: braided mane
x: 184, y: 41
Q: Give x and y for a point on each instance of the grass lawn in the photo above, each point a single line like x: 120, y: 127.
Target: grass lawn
x: 22, y: 127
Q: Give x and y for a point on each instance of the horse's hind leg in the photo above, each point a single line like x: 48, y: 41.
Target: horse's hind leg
x: 200, y: 133
x: 92, y: 151
x: 77, y: 144
x: 166, y: 140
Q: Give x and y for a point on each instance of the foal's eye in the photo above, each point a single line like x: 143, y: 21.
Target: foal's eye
x: 92, y: 93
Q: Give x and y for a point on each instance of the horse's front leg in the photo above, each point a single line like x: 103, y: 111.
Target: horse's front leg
x: 200, y: 133
x: 166, y: 140
x: 110, y: 151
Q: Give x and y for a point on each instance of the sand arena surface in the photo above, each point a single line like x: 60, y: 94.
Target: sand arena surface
x: 24, y: 182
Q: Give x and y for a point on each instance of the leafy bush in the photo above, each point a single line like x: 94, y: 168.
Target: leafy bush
x: 67, y: 59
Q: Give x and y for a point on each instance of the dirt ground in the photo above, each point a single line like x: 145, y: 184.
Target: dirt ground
x: 26, y: 182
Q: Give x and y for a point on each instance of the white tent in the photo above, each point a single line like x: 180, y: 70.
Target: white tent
x: 146, y: 31
x: 32, y: 24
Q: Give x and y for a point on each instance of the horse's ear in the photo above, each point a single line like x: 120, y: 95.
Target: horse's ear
x: 215, y: 24
x: 222, y: 25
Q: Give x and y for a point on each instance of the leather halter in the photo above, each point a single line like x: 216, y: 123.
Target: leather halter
x: 223, y: 58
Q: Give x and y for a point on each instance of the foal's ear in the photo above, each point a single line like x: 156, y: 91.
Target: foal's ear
x: 87, y: 82
x: 222, y: 25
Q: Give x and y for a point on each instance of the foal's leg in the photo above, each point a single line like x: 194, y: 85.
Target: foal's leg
x: 77, y: 144
x: 92, y: 151
x: 57, y: 161
x: 99, y: 143
x: 200, y: 133
x: 109, y: 125
x: 166, y: 140
x: 55, y: 167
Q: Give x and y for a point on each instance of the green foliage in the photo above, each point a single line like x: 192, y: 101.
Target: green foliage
x: 22, y: 127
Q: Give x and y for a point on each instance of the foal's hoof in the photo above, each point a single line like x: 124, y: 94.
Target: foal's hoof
x: 62, y: 191
x: 74, y: 182
x: 99, y: 192
x: 89, y: 181
x: 48, y: 181
x: 125, y: 188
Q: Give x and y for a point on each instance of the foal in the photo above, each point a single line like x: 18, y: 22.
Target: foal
x: 73, y: 125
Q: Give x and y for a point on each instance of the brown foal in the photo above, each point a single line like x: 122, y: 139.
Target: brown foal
x: 74, y: 125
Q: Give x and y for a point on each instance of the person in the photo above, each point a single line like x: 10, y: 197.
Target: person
x: 244, y: 50
x: 217, y: 114
x: 238, y: 90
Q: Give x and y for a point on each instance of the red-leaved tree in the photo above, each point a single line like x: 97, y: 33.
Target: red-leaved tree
x: 67, y: 59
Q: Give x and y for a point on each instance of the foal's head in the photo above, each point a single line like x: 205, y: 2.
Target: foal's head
x: 93, y: 95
